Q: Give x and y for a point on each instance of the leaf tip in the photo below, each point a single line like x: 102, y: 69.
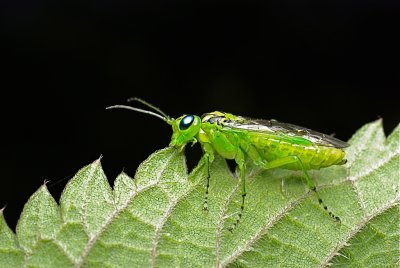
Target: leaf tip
x: 378, y: 122
x: 44, y: 186
x: 123, y: 173
x: 97, y: 162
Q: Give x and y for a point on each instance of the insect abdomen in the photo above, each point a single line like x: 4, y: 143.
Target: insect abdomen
x: 312, y: 156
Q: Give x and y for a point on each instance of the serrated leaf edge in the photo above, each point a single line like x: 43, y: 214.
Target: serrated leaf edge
x: 116, y: 212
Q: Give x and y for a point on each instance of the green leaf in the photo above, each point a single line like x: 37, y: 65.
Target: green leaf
x: 156, y: 219
x: 11, y: 255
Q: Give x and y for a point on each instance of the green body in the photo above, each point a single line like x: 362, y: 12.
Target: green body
x: 264, y: 147
x: 268, y: 143
x: 233, y: 137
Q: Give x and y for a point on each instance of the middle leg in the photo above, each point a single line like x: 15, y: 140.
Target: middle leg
x: 240, y: 161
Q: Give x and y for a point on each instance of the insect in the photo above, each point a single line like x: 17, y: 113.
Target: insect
x: 268, y: 143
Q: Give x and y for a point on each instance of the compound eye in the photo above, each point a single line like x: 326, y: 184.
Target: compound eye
x: 186, y: 122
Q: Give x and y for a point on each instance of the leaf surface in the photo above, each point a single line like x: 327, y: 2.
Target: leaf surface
x: 156, y: 219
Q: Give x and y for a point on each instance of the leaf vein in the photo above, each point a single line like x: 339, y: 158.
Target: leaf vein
x: 133, y: 193
x: 85, y: 199
x: 220, y: 225
x: 158, y: 229
x: 374, y: 168
x: 355, y: 230
x: 164, y: 220
x: 264, y: 230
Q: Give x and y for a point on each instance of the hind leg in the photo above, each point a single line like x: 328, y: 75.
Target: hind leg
x: 240, y: 161
x: 280, y: 162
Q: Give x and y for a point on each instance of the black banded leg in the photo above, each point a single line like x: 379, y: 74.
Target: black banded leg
x: 242, y: 167
x: 312, y: 187
x: 294, y: 159
x: 207, y: 167
x: 208, y: 159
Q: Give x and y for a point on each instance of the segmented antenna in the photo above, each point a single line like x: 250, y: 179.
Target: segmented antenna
x: 137, y: 110
x: 149, y: 105
x: 161, y: 114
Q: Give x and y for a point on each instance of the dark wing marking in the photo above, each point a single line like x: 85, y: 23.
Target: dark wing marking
x: 273, y: 126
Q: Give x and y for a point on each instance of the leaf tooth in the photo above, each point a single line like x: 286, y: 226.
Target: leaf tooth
x: 40, y: 219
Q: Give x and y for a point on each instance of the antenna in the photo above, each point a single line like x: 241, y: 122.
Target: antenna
x: 149, y: 105
x: 165, y: 118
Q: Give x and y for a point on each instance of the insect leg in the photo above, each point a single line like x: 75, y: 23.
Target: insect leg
x: 208, y: 159
x: 240, y: 161
x: 294, y: 159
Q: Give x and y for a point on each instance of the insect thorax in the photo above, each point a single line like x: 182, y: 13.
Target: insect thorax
x: 219, y: 118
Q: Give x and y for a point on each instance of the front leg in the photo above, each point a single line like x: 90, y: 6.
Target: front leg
x: 208, y: 159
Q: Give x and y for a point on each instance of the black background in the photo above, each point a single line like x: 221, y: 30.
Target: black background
x: 328, y: 65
